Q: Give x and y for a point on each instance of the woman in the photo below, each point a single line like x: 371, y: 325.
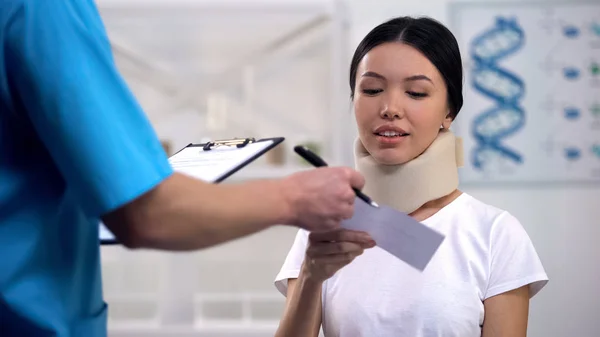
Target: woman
x: 406, y: 84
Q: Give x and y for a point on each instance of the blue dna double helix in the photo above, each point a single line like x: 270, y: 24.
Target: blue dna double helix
x: 505, y: 89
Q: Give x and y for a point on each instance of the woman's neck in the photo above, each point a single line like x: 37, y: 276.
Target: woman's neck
x: 418, y: 186
x: 432, y: 207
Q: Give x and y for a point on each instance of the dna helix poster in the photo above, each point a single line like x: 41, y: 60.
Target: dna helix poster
x: 531, y: 91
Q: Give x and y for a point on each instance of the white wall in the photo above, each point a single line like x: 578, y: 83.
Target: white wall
x: 562, y: 220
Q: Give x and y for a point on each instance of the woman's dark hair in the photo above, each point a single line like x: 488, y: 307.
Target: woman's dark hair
x: 428, y: 36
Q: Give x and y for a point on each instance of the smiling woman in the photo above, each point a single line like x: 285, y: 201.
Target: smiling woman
x: 428, y: 77
x: 406, y: 85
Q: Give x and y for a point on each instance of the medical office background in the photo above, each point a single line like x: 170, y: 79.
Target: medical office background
x: 214, y: 69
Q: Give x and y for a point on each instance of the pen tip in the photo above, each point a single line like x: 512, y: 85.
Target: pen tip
x: 374, y: 204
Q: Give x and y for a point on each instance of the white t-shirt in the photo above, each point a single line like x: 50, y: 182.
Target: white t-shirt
x: 486, y: 252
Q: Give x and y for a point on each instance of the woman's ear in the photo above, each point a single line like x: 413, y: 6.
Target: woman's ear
x: 447, y: 121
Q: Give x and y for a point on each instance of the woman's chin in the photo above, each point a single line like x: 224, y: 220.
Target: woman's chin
x: 390, y: 159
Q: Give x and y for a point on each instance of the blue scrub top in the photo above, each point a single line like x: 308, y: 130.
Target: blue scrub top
x: 74, y: 145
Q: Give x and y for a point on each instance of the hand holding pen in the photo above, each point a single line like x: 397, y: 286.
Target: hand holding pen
x: 317, y: 161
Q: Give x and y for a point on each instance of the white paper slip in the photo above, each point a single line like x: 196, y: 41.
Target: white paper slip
x: 214, y: 164
x: 396, y: 232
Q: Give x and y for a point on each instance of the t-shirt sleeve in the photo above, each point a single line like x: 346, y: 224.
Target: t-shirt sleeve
x: 293, y: 262
x: 514, y: 261
x: 62, y: 72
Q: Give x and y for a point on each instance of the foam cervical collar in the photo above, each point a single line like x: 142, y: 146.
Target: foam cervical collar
x: 406, y: 187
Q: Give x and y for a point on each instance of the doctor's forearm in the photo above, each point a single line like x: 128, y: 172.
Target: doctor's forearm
x: 183, y: 213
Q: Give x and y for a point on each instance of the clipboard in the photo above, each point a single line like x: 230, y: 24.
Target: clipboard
x: 197, y: 160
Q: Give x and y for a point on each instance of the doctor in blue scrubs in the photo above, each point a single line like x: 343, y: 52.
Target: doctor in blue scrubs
x: 75, y: 148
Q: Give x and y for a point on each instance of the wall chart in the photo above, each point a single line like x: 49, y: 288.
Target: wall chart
x: 531, y: 90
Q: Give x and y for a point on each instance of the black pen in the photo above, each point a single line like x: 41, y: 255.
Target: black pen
x: 317, y: 161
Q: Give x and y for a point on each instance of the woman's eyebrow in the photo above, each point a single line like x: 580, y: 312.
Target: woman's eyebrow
x: 412, y: 78
x: 373, y: 74
x: 418, y: 78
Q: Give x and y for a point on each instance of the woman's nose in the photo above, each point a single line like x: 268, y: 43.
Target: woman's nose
x: 392, y: 109
x: 390, y: 114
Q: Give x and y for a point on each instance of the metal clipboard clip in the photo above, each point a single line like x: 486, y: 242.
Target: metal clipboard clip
x: 237, y: 142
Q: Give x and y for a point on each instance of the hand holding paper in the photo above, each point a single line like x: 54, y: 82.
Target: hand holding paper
x: 397, y: 233
x: 328, y: 252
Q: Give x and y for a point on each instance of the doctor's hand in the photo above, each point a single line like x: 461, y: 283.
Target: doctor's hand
x: 330, y: 251
x: 322, y: 196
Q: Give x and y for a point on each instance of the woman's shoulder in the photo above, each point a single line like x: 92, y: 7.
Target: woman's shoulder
x: 471, y: 212
x: 479, y: 207
x: 497, y: 225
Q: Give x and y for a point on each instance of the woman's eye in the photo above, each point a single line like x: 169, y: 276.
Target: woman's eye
x: 416, y: 94
x: 371, y: 91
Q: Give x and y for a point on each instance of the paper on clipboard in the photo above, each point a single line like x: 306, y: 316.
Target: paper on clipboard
x: 214, y: 164
x: 211, y: 165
